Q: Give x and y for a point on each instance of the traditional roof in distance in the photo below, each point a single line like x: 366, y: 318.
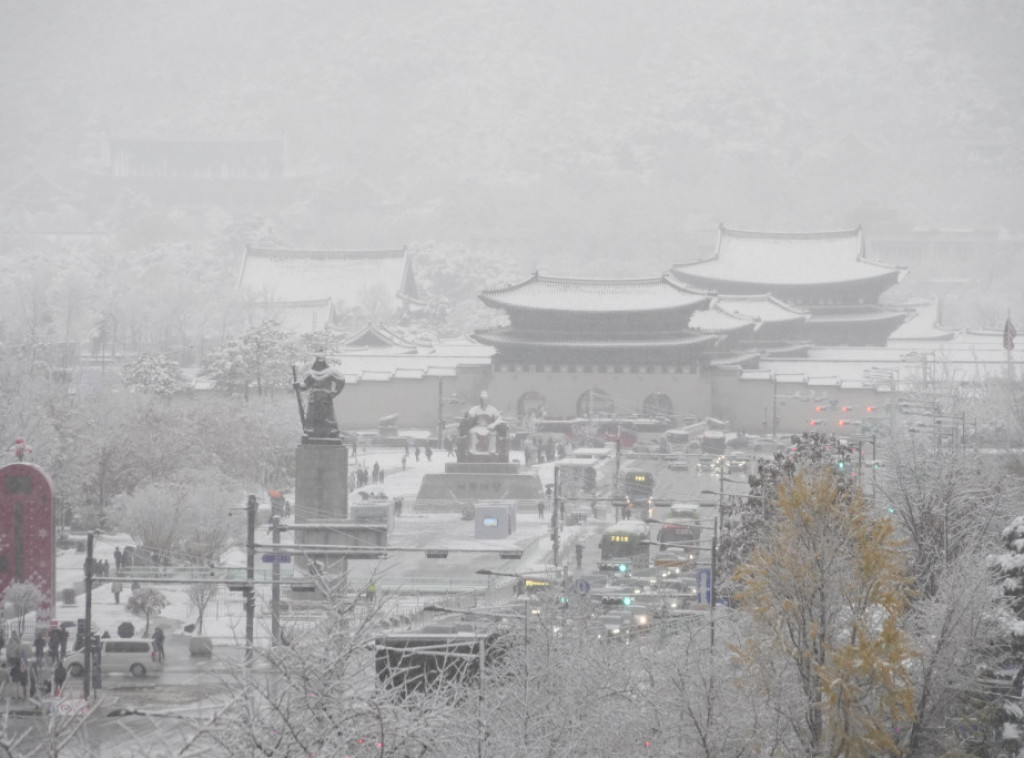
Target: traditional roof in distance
x: 300, y: 316
x: 720, y: 321
x: 765, y: 309
x: 924, y: 323
x: 547, y: 293
x: 378, y: 335
x: 381, y: 363
x: 344, y: 276
x: 504, y: 337
x: 776, y: 260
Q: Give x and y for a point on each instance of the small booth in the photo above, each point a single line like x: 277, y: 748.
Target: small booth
x: 494, y: 519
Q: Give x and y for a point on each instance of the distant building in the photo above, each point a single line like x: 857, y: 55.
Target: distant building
x: 236, y: 174
x: 825, y: 273
x: 598, y: 348
x: 306, y: 285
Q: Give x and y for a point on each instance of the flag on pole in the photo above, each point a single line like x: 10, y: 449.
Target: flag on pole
x: 1008, y: 334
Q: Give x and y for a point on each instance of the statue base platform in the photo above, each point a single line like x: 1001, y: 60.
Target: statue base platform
x: 321, y: 482
x: 464, y: 484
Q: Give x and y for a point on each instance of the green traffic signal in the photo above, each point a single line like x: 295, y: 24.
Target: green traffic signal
x: 627, y: 601
x: 623, y: 568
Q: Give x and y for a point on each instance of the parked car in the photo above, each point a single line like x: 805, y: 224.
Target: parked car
x: 135, y: 656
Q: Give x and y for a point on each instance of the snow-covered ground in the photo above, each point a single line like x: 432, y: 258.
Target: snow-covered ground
x: 224, y: 618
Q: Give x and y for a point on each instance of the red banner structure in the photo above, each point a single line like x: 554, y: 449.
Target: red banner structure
x: 27, y: 535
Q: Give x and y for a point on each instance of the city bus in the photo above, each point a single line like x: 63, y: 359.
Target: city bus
x: 713, y: 442
x: 625, y: 544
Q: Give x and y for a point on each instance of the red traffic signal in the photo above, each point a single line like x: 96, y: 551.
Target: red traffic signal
x: 870, y: 409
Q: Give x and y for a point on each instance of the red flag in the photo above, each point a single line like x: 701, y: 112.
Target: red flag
x: 1008, y: 334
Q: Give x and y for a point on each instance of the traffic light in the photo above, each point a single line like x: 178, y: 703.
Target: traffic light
x: 841, y: 464
x: 627, y: 600
x: 845, y: 409
x: 814, y: 422
x: 623, y: 568
x: 819, y: 408
x: 870, y: 409
x: 842, y: 422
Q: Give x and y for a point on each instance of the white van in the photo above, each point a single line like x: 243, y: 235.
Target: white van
x: 117, y: 656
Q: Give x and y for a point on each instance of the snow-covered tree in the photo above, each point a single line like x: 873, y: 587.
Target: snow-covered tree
x: 185, y: 519
x: 154, y: 374
x: 146, y: 602
x: 20, y: 599
x: 1004, y: 671
x: 940, y: 498
x: 827, y: 592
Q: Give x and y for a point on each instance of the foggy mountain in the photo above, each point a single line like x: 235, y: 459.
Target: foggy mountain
x: 582, y: 130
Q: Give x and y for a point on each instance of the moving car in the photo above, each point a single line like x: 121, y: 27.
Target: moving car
x: 134, y: 656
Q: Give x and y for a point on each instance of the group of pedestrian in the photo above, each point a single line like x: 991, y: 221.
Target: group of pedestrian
x: 364, y: 476
x: 100, y: 569
x: 37, y: 668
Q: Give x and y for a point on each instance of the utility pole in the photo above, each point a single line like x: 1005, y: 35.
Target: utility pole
x: 249, y: 593
x: 88, y: 615
x: 775, y: 404
x: 714, y: 582
x: 554, y: 520
x: 275, y: 588
x: 440, y: 411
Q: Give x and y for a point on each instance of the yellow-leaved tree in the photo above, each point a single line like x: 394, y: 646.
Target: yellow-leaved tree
x: 826, y: 593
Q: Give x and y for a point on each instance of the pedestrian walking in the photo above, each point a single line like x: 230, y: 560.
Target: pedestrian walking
x: 158, y: 643
x: 376, y: 472
x: 540, y: 509
x: 405, y: 459
x: 60, y: 675
x: 117, y: 559
x: 416, y: 452
x: 40, y: 645
x: 116, y: 587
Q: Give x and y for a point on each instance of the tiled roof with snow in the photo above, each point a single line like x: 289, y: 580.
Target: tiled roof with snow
x: 763, y: 308
x: 596, y: 295
x: 968, y: 357
x: 384, y: 363
x: 775, y: 259
x: 345, y: 276
x: 300, y: 317
x: 855, y: 313
x: 923, y: 323
x: 508, y: 337
x: 717, y: 319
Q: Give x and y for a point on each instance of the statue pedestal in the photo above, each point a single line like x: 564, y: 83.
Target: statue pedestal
x: 321, y: 482
x: 464, y: 484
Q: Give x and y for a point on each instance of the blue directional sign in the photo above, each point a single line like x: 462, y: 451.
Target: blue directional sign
x: 276, y: 558
x: 582, y: 587
x: 704, y: 586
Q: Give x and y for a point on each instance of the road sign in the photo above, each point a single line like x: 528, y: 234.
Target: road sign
x: 704, y: 586
x: 582, y: 587
x: 276, y: 558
